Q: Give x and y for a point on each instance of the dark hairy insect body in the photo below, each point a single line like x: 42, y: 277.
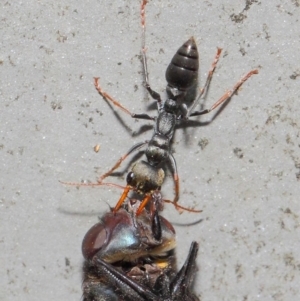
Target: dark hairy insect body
x: 130, y: 257
x: 119, y: 286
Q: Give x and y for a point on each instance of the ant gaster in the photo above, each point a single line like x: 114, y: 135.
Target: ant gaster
x: 181, y: 75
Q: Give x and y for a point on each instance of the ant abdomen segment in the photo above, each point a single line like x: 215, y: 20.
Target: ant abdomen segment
x: 182, y: 72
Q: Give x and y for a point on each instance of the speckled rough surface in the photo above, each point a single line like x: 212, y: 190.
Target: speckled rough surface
x: 242, y: 169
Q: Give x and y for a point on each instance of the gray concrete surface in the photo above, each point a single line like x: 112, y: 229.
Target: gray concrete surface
x: 242, y: 169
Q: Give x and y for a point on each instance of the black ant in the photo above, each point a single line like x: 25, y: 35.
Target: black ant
x: 181, y: 75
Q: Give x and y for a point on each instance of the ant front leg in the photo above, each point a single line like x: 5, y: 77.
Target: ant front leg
x: 175, y: 177
x: 118, y: 104
x: 153, y: 94
x: 227, y: 95
x: 118, y: 163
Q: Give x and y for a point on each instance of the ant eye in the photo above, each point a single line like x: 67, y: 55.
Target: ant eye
x: 130, y: 178
x: 94, y: 240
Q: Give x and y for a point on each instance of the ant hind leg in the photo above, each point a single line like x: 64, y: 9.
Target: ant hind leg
x: 227, y: 95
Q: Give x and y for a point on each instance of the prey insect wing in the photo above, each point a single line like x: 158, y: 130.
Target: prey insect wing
x: 173, y: 288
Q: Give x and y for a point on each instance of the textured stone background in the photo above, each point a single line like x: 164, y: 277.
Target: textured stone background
x: 242, y: 169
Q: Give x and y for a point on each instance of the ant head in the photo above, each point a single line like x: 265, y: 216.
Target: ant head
x: 145, y: 178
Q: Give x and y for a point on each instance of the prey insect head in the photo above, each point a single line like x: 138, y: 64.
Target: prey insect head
x: 125, y: 236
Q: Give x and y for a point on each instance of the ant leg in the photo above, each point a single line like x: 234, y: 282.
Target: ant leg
x: 117, y: 104
x: 122, y: 198
x: 91, y: 184
x: 179, y: 208
x: 208, y: 79
x: 176, y: 181
x: 175, y: 177
x: 227, y: 95
x: 153, y: 94
x: 134, y: 148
